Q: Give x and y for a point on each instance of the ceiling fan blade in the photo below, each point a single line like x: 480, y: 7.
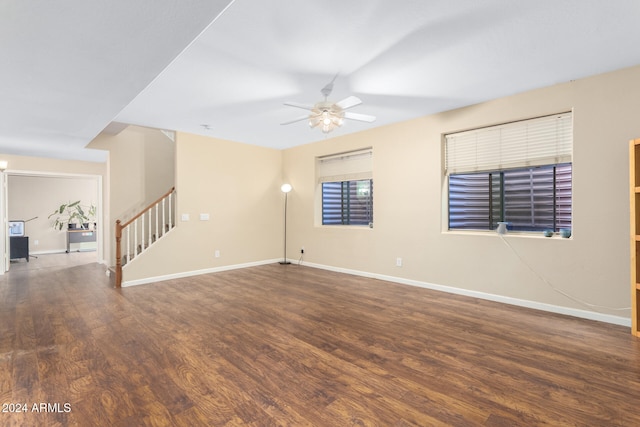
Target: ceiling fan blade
x: 299, y: 119
x: 297, y: 105
x: 349, y: 102
x: 360, y: 117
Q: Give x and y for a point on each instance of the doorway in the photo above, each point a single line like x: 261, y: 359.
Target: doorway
x: 32, y: 197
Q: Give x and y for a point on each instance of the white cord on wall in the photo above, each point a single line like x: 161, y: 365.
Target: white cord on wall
x: 560, y: 291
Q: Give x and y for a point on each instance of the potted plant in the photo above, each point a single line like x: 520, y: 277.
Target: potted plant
x: 73, y: 214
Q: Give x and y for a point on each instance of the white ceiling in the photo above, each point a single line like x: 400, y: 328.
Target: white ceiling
x: 72, y: 68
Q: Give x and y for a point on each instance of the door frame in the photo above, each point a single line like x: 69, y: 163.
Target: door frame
x: 4, y: 211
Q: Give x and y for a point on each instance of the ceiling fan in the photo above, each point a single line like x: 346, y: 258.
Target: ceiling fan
x: 328, y: 115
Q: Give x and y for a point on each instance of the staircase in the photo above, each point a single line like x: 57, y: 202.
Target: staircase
x: 140, y: 232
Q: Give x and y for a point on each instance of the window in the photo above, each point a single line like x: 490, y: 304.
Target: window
x: 520, y: 173
x: 529, y: 199
x: 347, y: 202
x: 346, y: 186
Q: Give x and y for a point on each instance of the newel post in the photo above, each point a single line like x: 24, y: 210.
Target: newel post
x: 118, y: 254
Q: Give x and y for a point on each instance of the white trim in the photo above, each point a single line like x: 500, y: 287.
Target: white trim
x: 196, y: 272
x: 49, y: 252
x: 4, y: 223
x: 584, y: 314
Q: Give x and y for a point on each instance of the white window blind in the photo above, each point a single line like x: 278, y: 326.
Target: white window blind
x: 348, y: 166
x: 535, y: 142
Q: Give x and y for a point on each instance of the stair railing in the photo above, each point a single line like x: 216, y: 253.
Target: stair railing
x: 144, y: 229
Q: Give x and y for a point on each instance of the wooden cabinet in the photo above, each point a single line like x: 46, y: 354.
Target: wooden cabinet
x: 634, y: 157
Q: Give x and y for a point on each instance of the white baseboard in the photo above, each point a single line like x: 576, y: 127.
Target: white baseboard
x: 195, y: 273
x: 58, y: 251
x: 585, y: 314
x: 49, y: 252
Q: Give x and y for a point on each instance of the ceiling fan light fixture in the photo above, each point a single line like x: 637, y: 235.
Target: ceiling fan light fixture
x: 326, y: 117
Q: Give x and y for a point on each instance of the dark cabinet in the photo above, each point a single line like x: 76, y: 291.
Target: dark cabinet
x: 19, y: 247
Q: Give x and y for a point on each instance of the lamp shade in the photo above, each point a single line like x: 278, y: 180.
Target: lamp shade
x: 286, y: 188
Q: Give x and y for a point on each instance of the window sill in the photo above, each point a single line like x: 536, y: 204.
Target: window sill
x: 345, y: 227
x: 519, y: 234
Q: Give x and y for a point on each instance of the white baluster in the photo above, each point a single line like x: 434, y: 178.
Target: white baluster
x: 163, y: 218
x: 157, y: 235
x: 167, y: 207
x: 135, y: 238
x: 170, y: 209
x: 142, y: 224
x: 128, y: 243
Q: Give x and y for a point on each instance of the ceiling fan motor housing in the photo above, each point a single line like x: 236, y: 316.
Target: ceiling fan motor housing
x: 328, y: 115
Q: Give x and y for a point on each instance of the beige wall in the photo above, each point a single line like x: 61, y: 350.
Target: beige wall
x: 141, y: 168
x: 160, y: 161
x: 238, y: 185
x: 38, y: 196
x: 410, y: 221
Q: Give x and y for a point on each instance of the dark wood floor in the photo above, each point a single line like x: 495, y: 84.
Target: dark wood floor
x: 296, y: 346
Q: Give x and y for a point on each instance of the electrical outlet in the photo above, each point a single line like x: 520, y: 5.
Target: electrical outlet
x: 36, y: 242
x: 398, y: 262
x: 302, y: 250
x: 217, y: 253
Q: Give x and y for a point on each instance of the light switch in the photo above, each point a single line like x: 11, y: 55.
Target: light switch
x: 204, y: 217
x: 185, y: 217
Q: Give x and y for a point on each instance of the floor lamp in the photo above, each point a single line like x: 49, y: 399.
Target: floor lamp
x: 286, y: 188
